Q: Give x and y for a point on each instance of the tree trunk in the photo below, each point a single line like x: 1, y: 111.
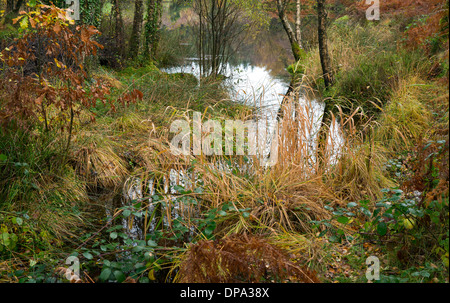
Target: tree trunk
x: 323, y: 47
x: 281, y: 6
x: 137, y: 27
x: 17, y: 6
x: 9, y: 6
x: 152, y: 27
x: 11, y: 11
x: 322, y: 144
x: 298, y: 31
x: 118, y: 33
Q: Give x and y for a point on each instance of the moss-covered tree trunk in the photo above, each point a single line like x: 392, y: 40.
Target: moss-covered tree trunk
x: 118, y: 29
x: 152, y: 28
x: 135, y: 38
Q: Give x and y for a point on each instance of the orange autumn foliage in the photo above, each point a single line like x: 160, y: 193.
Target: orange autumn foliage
x: 428, y: 18
x: 44, y: 69
x: 240, y: 258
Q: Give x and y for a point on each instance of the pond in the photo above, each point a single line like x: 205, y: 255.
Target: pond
x: 255, y: 86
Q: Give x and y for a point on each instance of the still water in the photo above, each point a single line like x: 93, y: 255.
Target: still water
x: 252, y: 85
x: 258, y: 87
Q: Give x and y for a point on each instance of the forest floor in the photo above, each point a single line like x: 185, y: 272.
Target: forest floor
x: 386, y: 200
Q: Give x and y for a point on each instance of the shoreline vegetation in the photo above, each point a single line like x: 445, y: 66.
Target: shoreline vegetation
x: 86, y: 169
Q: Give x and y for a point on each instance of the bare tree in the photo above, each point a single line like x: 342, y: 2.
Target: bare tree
x: 218, y: 30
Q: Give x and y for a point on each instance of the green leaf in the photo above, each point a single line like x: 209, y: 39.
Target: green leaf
x: 3, y: 158
x: 328, y: 208
x: 120, y: 277
x: 24, y: 23
x: 198, y: 190
x: 178, y: 188
x: 88, y: 255
x: 365, y: 211
x: 226, y: 207
x: 222, y: 213
x: 380, y: 204
x: 210, y: 229
x: 126, y: 213
x: 114, y: 228
x: 4, y: 239
x: 113, y: 235
x: 382, y: 229
x: 106, y: 272
x: 333, y: 239
x: 351, y: 204
x: 152, y: 243
x: 338, y: 213
x: 343, y: 220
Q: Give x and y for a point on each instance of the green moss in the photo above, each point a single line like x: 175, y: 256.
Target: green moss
x: 139, y: 71
x: 189, y: 79
x: 299, y: 53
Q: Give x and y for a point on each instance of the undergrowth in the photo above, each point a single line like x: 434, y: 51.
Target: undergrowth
x: 381, y: 188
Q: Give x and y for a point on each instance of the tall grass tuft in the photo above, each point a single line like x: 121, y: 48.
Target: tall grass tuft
x: 405, y: 119
x: 34, y: 180
x: 368, y: 64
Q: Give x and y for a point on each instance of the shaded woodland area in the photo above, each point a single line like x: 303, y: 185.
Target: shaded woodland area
x: 87, y: 173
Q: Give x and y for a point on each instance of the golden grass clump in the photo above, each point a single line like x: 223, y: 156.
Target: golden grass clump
x: 304, y: 247
x: 405, y: 119
x: 98, y: 162
x: 359, y: 172
x: 108, y: 78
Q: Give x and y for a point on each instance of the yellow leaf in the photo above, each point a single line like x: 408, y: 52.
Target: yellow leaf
x: 57, y: 63
x: 445, y: 259
x: 151, y: 275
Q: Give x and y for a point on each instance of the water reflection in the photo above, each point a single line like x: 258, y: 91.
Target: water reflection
x: 250, y: 85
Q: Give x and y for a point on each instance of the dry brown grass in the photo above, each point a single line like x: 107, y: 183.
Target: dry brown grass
x: 286, y: 196
x: 97, y: 160
x: 240, y: 258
